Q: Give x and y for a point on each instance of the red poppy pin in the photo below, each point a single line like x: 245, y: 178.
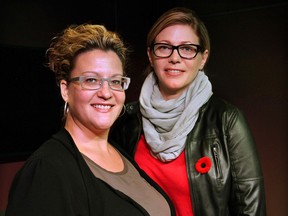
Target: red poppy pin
x: 203, y: 165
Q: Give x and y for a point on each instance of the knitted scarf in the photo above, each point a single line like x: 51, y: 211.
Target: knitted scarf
x: 166, y: 123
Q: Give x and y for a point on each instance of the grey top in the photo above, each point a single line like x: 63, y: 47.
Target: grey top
x: 133, y: 185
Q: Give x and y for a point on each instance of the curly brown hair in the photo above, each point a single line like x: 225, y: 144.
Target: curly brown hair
x: 76, y: 39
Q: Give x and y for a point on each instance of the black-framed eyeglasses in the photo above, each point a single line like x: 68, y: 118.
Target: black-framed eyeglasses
x: 186, y: 51
x: 117, y: 83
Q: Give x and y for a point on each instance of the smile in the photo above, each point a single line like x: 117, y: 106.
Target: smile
x: 106, y: 107
x: 174, y: 71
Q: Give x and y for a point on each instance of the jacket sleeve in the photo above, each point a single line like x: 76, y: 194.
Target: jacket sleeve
x: 248, y: 196
x: 40, y: 189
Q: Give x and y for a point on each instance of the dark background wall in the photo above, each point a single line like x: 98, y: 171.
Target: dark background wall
x: 247, y: 66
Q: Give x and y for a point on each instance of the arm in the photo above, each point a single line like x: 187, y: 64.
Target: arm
x: 40, y: 188
x: 248, y: 195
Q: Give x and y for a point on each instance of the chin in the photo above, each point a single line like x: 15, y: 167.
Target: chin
x: 104, y: 126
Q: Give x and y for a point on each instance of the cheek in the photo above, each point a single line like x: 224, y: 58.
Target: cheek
x: 81, y: 97
x: 193, y: 68
x: 158, y: 65
x: 120, y: 97
x: 194, y: 65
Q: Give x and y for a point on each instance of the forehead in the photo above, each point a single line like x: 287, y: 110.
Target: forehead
x: 177, y: 34
x: 100, y: 61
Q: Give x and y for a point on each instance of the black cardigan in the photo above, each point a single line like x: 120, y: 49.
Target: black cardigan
x: 56, y: 181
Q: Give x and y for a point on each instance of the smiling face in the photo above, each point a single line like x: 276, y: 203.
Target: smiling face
x: 175, y: 73
x: 95, y: 110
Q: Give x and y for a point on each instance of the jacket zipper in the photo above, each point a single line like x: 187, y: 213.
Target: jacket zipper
x: 217, y: 160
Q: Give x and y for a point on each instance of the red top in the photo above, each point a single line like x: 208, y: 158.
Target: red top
x: 171, y: 176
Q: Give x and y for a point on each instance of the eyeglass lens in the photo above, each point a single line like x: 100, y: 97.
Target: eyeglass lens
x: 118, y: 83
x: 187, y: 51
x: 115, y: 83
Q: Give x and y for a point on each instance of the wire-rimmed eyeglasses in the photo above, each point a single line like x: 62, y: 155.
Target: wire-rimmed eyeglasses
x: 117, y: 83
x: 186, y: 51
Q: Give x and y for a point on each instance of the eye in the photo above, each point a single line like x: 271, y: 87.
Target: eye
x: 116, y: 82
x: 188, y: 48
x: 91, y: 80
x: 162, y: 47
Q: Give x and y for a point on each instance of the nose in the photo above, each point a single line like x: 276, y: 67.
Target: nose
x: 175, y: 57
x: 105, y: 91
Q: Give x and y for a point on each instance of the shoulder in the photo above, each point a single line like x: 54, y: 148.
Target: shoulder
x: 56, y: 152
x: 133, y: 107
x: 220, y: 103
x: 220, y: 110
x: 132, y: 113
x: 220, y: 106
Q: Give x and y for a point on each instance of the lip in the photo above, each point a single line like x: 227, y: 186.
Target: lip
x: 102, y: 107
x: 173, y: 71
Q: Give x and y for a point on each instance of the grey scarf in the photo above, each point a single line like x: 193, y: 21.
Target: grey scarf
x: 167, y: 123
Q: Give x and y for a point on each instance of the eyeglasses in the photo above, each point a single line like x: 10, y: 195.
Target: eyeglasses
x: 117, y: 83
x: 186, y: 51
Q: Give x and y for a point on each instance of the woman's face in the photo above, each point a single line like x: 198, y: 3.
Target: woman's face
x: 94, y: 109
x: 175, y: 73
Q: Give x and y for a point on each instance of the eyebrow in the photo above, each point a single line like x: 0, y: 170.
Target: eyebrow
x: 95, y: 73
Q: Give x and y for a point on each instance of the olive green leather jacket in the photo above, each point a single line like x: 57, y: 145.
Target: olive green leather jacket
x: 234, y: 183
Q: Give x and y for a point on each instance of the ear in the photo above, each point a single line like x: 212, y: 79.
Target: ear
x: 149, y: 56
x: 205, y: 55
x: 64, y: 90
